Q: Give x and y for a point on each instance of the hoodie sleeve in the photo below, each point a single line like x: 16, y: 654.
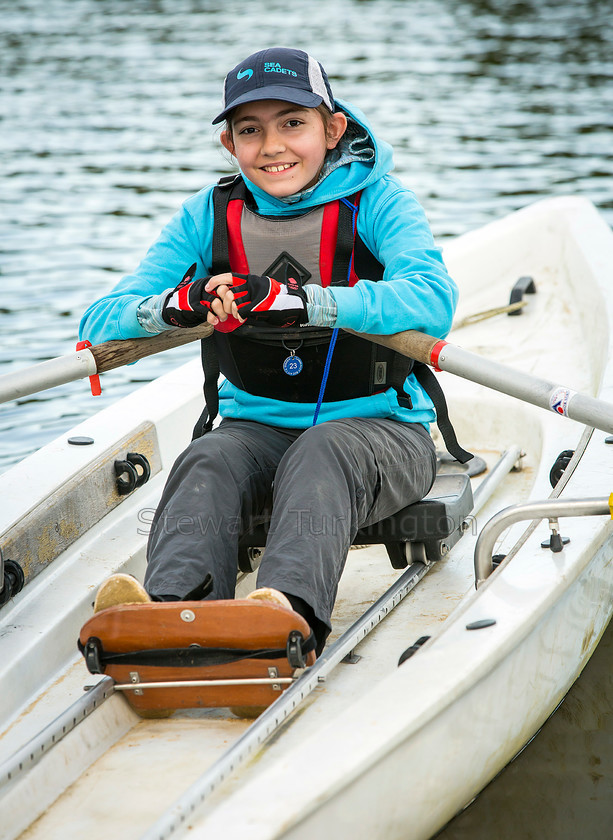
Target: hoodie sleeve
x: 418, y: 293
x: 183, y: 242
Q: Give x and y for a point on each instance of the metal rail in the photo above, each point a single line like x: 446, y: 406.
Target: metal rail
x: 38, y: 746
x: 270, y: 720
x: 557, y: 490
x: 139, y: 686
x: 508, y: 461
x: 550, y: 509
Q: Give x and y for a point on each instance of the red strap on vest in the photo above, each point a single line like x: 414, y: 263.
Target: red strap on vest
x: 327, y: 244
x: 236, y: 255
x: 236, y: 249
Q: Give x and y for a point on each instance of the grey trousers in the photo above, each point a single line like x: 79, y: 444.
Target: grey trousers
x: 322, y: 484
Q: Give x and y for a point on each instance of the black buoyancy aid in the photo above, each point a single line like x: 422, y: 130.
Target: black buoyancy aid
x: 321, y: 246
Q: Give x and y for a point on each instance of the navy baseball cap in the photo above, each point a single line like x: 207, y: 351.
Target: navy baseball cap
x: 277, y: 73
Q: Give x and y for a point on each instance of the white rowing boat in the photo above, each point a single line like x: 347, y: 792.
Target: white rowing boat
x: 360, y: 747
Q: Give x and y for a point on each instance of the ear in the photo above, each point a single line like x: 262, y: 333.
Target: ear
x: 226, y: 142
x: 336, y: 128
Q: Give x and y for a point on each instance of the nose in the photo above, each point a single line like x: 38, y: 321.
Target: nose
x: 272, y: 143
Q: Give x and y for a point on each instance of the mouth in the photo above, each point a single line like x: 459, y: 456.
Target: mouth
x: 277, y: 167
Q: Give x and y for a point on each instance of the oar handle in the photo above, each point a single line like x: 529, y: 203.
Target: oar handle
x: 416, y: 345
x: 114, y: 354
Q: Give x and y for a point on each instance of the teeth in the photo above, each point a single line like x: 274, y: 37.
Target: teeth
x: 280, y: 168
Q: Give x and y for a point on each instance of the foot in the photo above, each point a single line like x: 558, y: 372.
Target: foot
x: 270, y: 596
x: 120, y: 589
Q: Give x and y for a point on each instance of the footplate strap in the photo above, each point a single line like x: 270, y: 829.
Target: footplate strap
x: 97, y: 658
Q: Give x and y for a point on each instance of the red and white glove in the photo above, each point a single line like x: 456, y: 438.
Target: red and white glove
x: 188, y: 304
x: 265, y: 299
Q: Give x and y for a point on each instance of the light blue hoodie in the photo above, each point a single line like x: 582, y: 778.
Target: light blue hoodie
x: 416, y: 292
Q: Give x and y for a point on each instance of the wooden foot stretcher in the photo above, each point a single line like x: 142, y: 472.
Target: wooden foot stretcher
x: 190, y: 654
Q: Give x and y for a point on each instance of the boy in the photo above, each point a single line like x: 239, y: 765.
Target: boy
x: 325, y: 429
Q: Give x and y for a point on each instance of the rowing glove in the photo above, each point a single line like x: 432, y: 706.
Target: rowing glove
x: 188, y: 304
x: 265, y: 299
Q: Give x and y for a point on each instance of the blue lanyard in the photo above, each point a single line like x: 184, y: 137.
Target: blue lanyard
x: 324, y: 379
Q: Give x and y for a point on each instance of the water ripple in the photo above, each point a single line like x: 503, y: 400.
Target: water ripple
x: 105, y: 129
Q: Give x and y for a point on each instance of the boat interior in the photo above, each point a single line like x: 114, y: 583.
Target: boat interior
x: 75, y: 513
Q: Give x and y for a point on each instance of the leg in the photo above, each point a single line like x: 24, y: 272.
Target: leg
x: 333, y: 480
x: 215, y: 487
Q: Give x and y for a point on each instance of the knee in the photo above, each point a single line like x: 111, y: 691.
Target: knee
x: 220, y: 457
x: 325, y: 443
x: 321, y: 452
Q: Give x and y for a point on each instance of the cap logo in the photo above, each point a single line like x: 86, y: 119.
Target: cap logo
x: 275, y: 67
x: 244, y: 74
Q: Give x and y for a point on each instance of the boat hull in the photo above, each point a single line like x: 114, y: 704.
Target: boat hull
x: 377, y: 750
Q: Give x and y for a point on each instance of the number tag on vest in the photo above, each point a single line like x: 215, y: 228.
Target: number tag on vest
x: 293, y: 364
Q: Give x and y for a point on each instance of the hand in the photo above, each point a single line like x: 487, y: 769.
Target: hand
x: 224, y: 314
x: 189, y: 305
x: 265, y: 299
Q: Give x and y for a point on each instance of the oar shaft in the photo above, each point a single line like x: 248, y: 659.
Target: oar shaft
x: 523, y: 386
x: 114, y: 354
x: 46, y: 374
x: 539, y: 392
x: 92, y: 360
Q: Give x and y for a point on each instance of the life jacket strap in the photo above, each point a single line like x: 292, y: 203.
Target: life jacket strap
x: 189, y: 657
x: 401, y: 368
x: 345, y: 241
x: 430, y: 384
x: 229, y: 187
x: 210, y: 366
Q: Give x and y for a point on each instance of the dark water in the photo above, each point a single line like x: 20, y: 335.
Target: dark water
x: 105, y: 111
x: 561, y: 786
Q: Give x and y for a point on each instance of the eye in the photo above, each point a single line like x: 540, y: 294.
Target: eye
x: 294, y: 123
x: 249, y: 129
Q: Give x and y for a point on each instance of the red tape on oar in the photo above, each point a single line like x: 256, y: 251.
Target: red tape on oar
x: 94, y: 379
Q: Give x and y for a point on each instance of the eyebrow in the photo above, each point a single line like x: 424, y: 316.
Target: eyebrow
x: 295, y: 109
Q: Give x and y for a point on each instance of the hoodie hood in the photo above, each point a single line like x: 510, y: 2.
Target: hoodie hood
x: 341, y: 182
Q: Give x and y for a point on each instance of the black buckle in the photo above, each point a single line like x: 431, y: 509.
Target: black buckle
x: 295, y: 656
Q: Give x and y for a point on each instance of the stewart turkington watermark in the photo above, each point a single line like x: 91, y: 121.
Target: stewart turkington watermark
x: 303, y: 522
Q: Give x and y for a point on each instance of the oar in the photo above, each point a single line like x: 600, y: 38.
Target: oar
x: 92, y: 360
x: 442, y: 355
x: 424, y: 348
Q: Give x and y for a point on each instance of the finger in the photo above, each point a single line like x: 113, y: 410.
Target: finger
x: 236, y: 313
x: 228, y: 302
x: 222, y: 290
x: 218, y: 310
x: 218, y: 280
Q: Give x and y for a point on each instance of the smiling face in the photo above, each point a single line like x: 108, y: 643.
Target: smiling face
x: 280, y: 147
